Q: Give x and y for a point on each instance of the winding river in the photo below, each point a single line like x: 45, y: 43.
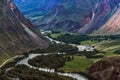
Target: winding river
x: 80, y: 47
x: 31, y: 56
x: 25, y: 60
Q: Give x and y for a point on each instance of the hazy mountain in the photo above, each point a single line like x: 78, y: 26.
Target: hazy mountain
x: 79, y: 16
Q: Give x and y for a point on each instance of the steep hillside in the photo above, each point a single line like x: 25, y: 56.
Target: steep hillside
x: 112, y: 26
x: 106, y: 69
x: 79, y: 16
x: 15, y: 35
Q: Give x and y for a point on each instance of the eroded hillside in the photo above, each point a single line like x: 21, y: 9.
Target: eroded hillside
x: 15, y: 34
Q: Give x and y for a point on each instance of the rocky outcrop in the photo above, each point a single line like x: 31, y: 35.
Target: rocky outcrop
x: 106, y: 69
x: 15, y: 34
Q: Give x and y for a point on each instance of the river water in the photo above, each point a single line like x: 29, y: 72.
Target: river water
x: 31, y: 56
x: 80, y: 47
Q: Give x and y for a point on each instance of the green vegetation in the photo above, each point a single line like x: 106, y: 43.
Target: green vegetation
x: 3, y: 58
x: 25, y: 73
x: 1, y: 3
x: 69, y: 38
x: 81, y: 39
x: 79, y: 64
x: 67, y: 62
x: 50, y: 61
x: 10, y: 63
x: 4, y: 77
x: 56, y: 48
x: 117, y: 51
x: 74, y: 61
x: 108, y: 46
x: 64, y: 48
x: 88, y: 42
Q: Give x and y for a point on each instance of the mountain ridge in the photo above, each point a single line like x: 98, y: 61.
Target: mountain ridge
x: 75, y: 16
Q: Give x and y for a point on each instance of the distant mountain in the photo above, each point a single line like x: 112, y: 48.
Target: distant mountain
x: 79, y: 16
x: 15, y: 34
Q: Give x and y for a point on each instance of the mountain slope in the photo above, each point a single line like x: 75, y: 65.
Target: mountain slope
x: 79, y: 16
x: 102, y: 12
x: 15, y: 35
x: 106, y: 69
x: 112, y: 26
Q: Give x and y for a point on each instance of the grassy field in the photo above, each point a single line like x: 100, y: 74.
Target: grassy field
x: 79, y: 64
x: 3, y: 58
x: 55, y: 35
x: 108, y: 46
x: 88, y: 42
x: 105, y: 46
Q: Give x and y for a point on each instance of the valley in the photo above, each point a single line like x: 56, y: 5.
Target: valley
x: 73, y: 60
x: 59, y: 40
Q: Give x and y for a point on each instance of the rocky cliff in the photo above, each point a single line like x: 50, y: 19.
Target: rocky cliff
x: 15, y: 34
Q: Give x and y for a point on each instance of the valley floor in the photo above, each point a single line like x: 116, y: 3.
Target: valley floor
x: 81, y: 60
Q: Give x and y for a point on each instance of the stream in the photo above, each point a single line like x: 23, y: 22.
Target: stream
x: 31, y: 56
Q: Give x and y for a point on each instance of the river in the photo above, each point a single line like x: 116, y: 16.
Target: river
x: 80, y: 47
x: 31, y: 56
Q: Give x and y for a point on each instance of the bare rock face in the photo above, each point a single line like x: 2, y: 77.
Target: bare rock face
x: 78, y: 16
x: 112, y: 26
x: 101, y: 13
x: 15, y: 33
x: 106, y: 69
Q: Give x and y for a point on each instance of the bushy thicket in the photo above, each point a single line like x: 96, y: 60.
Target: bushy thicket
x: 4, y: 77
x: 117, y: 52
x: 56, y: 48
x: 25, y: 73
x: 77, y: 39
x: 50, y: 61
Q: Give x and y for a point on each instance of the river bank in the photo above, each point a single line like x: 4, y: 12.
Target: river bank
x: 31, y: 56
